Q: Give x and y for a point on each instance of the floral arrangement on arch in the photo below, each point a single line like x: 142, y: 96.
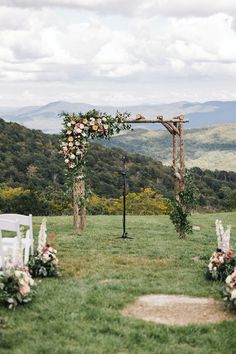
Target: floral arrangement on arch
x: 222, y: 262
x: 16, y: 286
x: 45, y: 262
x: 229, y: 293
x: 79, y: 128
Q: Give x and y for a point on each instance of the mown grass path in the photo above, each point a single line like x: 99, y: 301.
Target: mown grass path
x: 79, y: 312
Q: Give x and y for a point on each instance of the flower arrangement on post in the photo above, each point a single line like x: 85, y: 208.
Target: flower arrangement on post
x: 77, y: 130
x: 229, y: 293
x: 222, y: 262
x: 45, y: 262
x: 16, y: 286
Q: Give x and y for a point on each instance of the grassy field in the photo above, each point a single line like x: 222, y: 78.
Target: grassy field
x: 79, y: 312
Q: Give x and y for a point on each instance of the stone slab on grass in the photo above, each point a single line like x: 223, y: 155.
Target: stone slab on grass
x: 178, y: 310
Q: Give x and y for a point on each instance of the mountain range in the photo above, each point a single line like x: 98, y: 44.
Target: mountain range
x: 199, y: 114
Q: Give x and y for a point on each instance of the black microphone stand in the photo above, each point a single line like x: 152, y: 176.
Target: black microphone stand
x: 124, y: 174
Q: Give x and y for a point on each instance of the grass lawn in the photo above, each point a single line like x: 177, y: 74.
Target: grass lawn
x: 79, y: 312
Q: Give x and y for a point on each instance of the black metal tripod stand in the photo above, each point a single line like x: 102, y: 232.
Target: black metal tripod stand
x: 124, y: 173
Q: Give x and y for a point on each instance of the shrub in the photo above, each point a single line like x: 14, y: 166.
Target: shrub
x: 182, y: 206
x: 146, y: 202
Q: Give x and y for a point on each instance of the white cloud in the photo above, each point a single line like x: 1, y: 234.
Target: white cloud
x: 89, y: 55
x: 177, y: 8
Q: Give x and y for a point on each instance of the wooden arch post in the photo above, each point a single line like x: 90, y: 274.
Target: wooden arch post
x: 79, y: 204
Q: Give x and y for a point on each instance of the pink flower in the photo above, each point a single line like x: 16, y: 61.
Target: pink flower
x: 229, y: 254
x: 24, y: 290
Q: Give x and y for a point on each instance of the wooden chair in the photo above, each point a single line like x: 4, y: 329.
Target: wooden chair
x: 9, y: 245
x: 28, y: 240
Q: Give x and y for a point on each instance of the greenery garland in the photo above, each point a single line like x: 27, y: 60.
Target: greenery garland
x: 79, y: 128
x: 182, y: 206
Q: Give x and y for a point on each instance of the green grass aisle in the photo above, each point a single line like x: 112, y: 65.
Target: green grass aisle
x: 79, y: 312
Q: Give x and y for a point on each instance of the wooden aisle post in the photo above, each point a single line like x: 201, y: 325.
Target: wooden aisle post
x: 79, y: 204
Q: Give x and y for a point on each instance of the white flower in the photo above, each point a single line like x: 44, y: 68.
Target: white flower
x: 67, y: 160
x: 84, y: 135
x: 77, y: 143
x: 78, y: 130
x: 233, y: 294
x: 221, y: 259
x: 22, y: 282
x: 104, y: 119
x: 72, y: 156
x: 228, y: 279
x: 81, y: 126
x: 105, y: 126
x: 45, y: 257
x: 42, y: 239
x: 31, y: 281
x: 78, y: 152
x: 18, y: 274
x: 68, y: 132
x: 72, y: 165
x: 210, y: 266
x: 69, y: 125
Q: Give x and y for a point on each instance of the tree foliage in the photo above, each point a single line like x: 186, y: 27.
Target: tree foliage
x: 145, y: 202
x: 29, y: 159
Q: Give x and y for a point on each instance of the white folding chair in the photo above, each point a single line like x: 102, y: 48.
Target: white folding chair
x: 9, y: 245
x: 28, y: 240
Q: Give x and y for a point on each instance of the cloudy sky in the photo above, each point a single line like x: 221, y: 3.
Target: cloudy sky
x: 117, y: 51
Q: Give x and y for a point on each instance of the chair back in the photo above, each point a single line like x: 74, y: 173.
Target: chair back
x: 10, y: 225
x: 25, y: 220
x: 13, y: 226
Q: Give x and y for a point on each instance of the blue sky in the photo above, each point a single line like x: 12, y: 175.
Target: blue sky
x: 117, y: 52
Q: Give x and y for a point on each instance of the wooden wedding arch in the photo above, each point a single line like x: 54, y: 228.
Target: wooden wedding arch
x: 175, y: 127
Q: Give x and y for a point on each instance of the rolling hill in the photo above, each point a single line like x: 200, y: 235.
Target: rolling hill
x: 199, y: 114
x: 208, y: 148
x: 30, y: 159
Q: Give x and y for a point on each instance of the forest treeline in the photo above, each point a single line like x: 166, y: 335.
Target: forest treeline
x: 32, y: 176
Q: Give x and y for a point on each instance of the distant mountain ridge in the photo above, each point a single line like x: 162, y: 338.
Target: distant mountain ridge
x: 199, y: 114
